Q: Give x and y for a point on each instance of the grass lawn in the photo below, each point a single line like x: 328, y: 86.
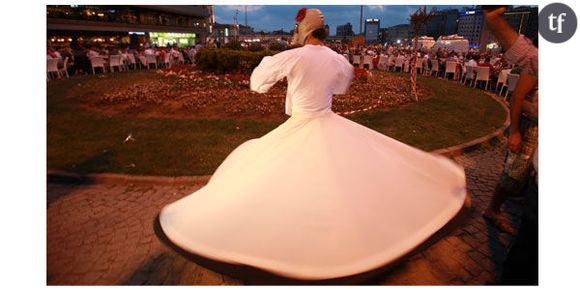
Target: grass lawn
x: 87, y: 142
x: 454, y: 114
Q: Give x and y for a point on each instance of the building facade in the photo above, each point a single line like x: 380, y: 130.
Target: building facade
x: 372, y: 27
x: 224, y: 33
x: 523, y: 19
x: 443, y: 22
x: 470, y: 25
x: 344, y: 30
x: 129, y: 25
x: 396, y: 34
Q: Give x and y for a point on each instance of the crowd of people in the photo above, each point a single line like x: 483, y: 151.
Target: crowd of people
x: 80, y: 57
x: 383, y: 57
x: 387, y: 57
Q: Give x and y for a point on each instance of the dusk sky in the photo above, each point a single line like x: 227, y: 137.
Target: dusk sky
x: 275, y: 17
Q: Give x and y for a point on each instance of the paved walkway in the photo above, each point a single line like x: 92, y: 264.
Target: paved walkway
x: 103, y: 234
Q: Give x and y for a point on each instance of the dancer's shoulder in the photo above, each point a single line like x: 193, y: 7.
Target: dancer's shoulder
x: 288, y: 53
x: 339, y: 57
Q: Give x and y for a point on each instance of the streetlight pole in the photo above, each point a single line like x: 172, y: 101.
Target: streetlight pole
x: 360, y: 23
x: 236, y: 27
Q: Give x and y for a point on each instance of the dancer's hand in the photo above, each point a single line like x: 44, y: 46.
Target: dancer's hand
x: 515, y: 141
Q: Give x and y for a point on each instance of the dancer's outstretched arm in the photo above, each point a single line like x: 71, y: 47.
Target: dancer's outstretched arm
x: 500, y: 27
x: 270, y: 70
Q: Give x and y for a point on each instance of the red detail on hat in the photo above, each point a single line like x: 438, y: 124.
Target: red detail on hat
x: 301, y: 14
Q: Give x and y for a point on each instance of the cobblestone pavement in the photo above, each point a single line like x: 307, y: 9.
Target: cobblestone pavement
x: 103, y: 234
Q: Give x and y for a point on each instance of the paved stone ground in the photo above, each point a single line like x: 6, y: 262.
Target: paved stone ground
x: 103, y: 234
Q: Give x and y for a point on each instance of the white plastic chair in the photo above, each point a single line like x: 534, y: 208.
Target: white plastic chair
x: 151, y: 59
x: 419, y: 64
x: 142, y: 61
x: 399, y: 62
x: 391, y: 63
x: 469, y: 75
x: 167, y: 60
x: 98, y: 62
x: 132, y: 61
x: 482, y: 75
x: 450, y: 68
x: 426, y: 70
x: 502, y: 79
x: 512, y: 81
x: 64, y: 69
x: 115, y: 61
x: 125, y: 61
x: 368, y: 60
x: 356, y: 60
x: 383, y: 62
x: 52, y: 67
x: 434, y: 67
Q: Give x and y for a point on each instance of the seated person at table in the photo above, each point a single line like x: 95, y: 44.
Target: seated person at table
x: 472, y: 60
x: 486, y: 63
x: 92, y: 52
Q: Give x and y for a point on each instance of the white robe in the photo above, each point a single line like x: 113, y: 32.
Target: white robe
x: 320, y: 196
x: 314, y: 74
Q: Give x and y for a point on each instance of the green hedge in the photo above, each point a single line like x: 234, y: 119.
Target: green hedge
x: 278, y: 46
x: 255, y: 47
x: 235, y: 45
x: 222, y: 60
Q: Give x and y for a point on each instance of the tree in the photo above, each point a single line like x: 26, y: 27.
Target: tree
x: 418, y: 21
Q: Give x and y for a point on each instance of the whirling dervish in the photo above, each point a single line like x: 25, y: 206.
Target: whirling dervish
x: 320, y: 196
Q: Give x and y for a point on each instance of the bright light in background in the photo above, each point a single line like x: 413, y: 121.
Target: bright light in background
x: 492, y: 45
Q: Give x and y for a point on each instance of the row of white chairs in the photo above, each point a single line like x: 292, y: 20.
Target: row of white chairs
x: 473, y: 74
x: 148, y: 61
x: 400, y: 64
x: 115, y: 62
x: 362, y: 60
x: 477, y: 74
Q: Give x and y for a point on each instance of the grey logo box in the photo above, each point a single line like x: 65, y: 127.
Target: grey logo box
x: 557, y: 22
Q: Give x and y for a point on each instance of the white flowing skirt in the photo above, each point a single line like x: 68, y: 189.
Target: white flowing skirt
x: 319, y: 197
